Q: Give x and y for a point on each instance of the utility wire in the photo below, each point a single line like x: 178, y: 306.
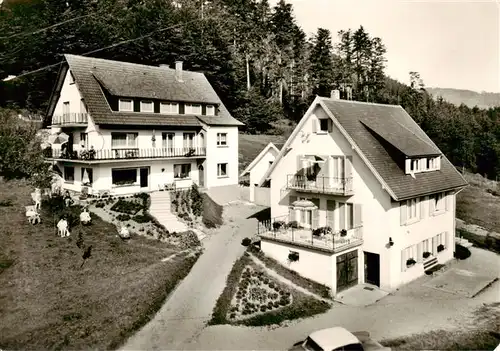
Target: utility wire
x: 106, y: 47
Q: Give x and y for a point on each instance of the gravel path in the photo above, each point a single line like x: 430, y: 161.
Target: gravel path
x: 411, y: 310
x: 185, y: 313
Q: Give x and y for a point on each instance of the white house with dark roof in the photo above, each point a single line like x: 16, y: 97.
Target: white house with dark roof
x: 362, y: 195
x: 138, y: 128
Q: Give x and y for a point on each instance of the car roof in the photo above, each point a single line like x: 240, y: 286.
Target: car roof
x: 331, y: 338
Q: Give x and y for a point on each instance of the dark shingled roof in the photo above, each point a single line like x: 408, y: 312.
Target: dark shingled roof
x: 395, y: 125
x: 135, y: 80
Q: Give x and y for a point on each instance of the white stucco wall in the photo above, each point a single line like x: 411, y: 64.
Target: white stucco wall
x: 221, y: 154
x: 70, y: 93
x: 259, y: 169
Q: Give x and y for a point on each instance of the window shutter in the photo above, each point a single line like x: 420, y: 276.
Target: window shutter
x: 403, y: 260
x: 314, y: 122
x: 402, y: 206
x: 358, y: 220
x: 348, y: 167
x: 434, y: 245
x: 447, y: 199
x: 330, y: 125
x: 432, y: 205
x: 342, y: 215
x: 420, y: 252
x: 315, y: 218
x: 423, y: 200
x: 330, y: 208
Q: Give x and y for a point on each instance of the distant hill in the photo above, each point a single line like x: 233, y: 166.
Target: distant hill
x: 468, y: 97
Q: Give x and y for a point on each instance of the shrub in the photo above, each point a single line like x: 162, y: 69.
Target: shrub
x: 426, y: 254
x: 123, y: 217
x: 440, y: 248
x: 293, y: 256
x: 128, y: 207
x: 410, y: 262
x: 246, y: 241
x: 100, y: 204
x: 212, y: 212
x: 278, y: 224
x: 144, y: 218
x: 461, y: 252
x: 322, y: 230
x: 196, y: 201
x: 6, y: 203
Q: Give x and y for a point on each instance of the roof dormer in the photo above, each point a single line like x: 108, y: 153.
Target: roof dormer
x: 421, y: 164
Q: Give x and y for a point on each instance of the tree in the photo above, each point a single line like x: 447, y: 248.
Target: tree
x: 21, y: 155
x: 321, y: 69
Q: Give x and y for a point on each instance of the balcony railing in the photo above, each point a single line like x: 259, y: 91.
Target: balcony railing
x: 70, y: 118
x: 320, y: 184
x: 323, y: 238
x: 119, y: 154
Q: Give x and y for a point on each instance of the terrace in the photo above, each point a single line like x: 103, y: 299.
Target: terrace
x: 320, y: 184
x: 279, y: 229
x: 78, y: 119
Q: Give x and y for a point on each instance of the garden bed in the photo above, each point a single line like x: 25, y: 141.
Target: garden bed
x: 254, y: 298
x: 306, y: 283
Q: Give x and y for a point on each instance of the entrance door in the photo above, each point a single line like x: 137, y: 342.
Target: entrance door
x: 144, y: 175
x: 201, y: 176
x: 372, y: 268
x: 347, y: 270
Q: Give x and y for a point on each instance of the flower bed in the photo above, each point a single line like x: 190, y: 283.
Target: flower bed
x: 130, y: 207
x: 257, y: 293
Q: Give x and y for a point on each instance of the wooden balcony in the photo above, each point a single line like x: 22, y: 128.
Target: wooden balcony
x: 323, y: 239
x: 124, y: 154
x: 320, y: 184
x: 78, y: 119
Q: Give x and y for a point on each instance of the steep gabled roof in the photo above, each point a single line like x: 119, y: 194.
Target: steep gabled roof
x: 93, y: 76
x: 256, y: 160
x: 380, y: 134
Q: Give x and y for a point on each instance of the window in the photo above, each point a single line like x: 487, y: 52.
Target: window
x: 270, y: 164
x: 222, y: 170
x: 221, y: 139
x: 122, y: 176
x: 84, y: 143
x: 124, y: 140
x: 169, y: 107
x: 323, y: 125
x: 188, y: 140
x: 125, y: 105
x: 83, y: 108
x: 414, y: 165
x: 69, y: 174
x: 167, y: 140
x: 439, y: 204
x: 66, y: 108
x: 182, y: 171
x: 210, y: 110
x: 411, y: 209
x: 349, y: 216
x: 192, y: 109
x: 147, y: 106
x: 87, y: 176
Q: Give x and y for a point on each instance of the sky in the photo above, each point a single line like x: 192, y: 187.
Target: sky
x: 452, y: 44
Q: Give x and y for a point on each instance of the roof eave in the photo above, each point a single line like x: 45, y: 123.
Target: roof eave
x: 458, y: 188
x: 56, y: 90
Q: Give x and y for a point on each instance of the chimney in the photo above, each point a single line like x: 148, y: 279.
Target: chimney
x: 178, y: 71
x: 335, y: 94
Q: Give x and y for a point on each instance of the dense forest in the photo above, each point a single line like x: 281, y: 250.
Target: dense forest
x: 261, y: 63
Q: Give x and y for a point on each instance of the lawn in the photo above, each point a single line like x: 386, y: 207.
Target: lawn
x: 484, y: 335
x: 287, y: 304
x: 477, y: 205
x: 48, y: 300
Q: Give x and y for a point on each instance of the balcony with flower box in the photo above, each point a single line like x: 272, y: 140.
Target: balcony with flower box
x: 320, y: 184
x: 75, y: 119
x: 281, y: 229
x: 123, y: 154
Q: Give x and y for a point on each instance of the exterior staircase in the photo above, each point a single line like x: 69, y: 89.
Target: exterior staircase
x: 160, y: 209
x: 462, y: 241
x: 430, y: 262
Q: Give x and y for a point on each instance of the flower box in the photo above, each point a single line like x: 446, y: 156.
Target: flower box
x: 410, y: 262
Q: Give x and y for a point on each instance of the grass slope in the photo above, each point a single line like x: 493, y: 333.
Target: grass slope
x: 48, y: 302
x: 251, y: 145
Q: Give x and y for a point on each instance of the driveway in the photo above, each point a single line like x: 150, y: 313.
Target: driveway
x: 184, y: 315
x: 414, y: 308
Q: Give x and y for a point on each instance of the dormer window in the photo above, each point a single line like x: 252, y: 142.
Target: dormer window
x: 169, y: 108
x: 147, y: 106
x: 210, y: 110
x: 125, y: 105
x: 192, y: 109
x: 427, y: 164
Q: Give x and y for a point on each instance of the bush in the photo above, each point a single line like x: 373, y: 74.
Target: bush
x: 196, y: 201
x: 100, y: 204
x: 426, y: 254
x: 6, y: 203
x: 123, y: 217
x: 293, y: 256
x: 212, y: 212
x: 144, y: 218
x: 246, y: 241
x: 278, y: 224
x: 322, y: 230
x: 127, y: 207
x: 461, y: 252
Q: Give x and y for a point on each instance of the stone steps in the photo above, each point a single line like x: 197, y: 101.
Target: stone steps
x: 430, y: 262
x: 463, y: 242
x: 160, y: 209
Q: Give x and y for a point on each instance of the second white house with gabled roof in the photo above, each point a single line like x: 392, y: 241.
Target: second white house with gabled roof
x: 360, y: 194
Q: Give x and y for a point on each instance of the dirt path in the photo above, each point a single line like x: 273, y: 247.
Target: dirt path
x: 411, y: 310
x: 184, y: 315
